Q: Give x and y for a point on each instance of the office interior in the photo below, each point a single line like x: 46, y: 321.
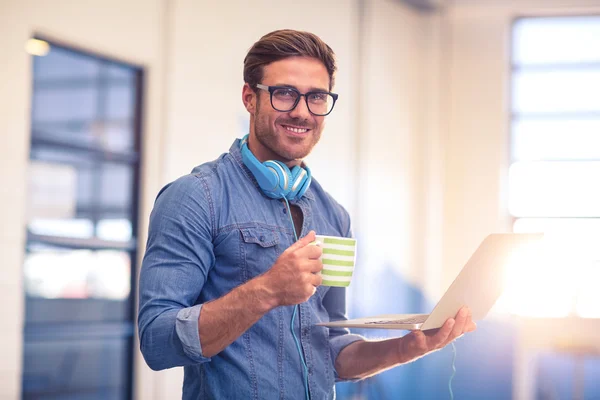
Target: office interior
x: 456, y: 119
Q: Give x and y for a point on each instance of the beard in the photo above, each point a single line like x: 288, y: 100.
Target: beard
x: 269, y: 138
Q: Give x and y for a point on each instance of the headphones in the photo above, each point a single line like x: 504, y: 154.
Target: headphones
x: 275, y: 179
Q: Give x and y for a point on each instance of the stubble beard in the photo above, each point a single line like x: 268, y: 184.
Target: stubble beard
x: 269, y: 139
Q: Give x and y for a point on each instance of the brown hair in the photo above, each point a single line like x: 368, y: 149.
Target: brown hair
x: 282, y: 44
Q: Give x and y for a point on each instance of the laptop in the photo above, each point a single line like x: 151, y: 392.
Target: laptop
x: 478, y: 285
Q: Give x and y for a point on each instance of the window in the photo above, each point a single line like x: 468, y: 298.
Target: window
x: 81, y: 227
x: 554, y: 176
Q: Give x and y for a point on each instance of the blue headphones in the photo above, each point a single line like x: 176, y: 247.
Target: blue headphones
x: 275, y: 179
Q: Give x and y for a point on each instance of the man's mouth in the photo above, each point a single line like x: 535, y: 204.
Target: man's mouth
x: 294, y: 129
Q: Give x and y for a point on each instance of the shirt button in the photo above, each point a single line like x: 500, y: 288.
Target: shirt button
x: 262, y: 238
x: 284, y: 210
x: 305, y: 331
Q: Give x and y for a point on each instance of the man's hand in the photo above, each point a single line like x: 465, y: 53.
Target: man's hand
x: 366, y: 358
x: 293, y: 279
x: 418, y: 343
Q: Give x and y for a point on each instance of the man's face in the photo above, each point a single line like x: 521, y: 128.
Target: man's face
x: 289, y: 136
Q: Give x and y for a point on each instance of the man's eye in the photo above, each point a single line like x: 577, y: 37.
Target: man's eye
x: 318, y: 97
x: 285, y: 93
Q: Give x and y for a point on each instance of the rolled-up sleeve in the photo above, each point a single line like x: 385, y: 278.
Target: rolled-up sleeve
x: 179, y: 255
x: 186, y: 326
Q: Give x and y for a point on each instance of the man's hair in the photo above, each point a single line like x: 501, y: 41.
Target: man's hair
x: 282, y: 44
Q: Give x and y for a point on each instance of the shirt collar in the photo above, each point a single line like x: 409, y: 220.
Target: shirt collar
x: 236, y: 153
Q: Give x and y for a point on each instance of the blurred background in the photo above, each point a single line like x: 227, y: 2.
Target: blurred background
x: 456, y: 118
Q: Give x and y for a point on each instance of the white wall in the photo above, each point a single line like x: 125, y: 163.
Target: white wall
x: 130, y: 31
x: 400, y: 189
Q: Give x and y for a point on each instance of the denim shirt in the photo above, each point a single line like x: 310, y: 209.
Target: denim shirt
x: 211, y: 231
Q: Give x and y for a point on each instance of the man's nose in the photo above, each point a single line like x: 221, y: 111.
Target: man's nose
x: 301, y: 110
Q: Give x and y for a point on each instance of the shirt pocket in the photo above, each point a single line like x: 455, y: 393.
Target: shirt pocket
x: 260, y: 248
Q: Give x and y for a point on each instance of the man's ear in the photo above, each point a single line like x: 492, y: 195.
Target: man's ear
x: 249, y: 98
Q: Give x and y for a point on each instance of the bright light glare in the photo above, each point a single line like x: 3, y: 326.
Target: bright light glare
x: 555, y: 278
x: 77, y: 274
x: 75, y: 228
x: 554, y: 189
x: 588, y: 297
x: 558, y: 40
x: 536, y: 284
x: 114, y: 229
x: 37, y: 47
x: 563, y: 139
x: 571, y: 91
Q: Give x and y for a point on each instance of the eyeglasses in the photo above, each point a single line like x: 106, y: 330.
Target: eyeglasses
x: 285, y: 99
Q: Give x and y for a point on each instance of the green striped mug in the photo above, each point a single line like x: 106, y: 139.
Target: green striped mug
x: 339, y: 258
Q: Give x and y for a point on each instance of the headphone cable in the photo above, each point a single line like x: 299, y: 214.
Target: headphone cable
x: 453, y: 371
x: 305, y: 368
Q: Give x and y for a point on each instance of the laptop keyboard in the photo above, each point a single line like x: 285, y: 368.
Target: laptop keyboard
x: 419, y: 319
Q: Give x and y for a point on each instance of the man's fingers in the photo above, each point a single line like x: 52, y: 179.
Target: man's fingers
x: 470, y: 326
x: 311, y: 252
x: 316, y: 280
x: 315, y: 266
x: 459, y: 326
x: 302, y: 242
x: 419, y: 342
x: 452, y: 329
x: 443, y: 334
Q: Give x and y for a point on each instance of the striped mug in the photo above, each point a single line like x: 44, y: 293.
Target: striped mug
x: 339, y: 258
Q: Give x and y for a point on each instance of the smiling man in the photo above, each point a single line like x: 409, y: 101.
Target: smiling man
x: 229, y: 286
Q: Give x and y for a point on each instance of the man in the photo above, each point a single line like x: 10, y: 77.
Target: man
x: 226, y: 289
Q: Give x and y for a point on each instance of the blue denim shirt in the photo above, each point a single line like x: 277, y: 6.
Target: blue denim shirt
x: 211, y: 231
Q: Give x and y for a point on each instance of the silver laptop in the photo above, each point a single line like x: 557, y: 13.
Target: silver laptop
x: 478, y: 285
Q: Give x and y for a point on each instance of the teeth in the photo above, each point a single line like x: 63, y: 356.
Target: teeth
x: 296, y: 130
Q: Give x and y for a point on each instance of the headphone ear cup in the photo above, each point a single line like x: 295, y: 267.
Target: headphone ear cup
x: 274, y: 177
x: 298, y: 178
x: 267, y: 178
x: 304, y: 185
x: 284, y: 178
